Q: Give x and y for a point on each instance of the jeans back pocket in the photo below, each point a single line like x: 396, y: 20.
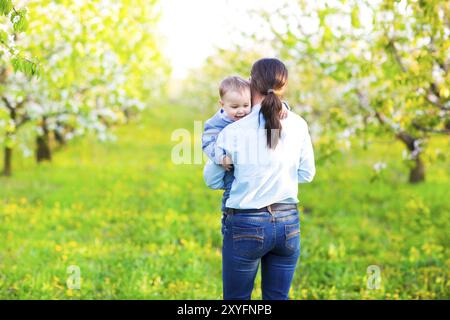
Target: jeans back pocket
x: 248, y: 242
x: 292, y: 233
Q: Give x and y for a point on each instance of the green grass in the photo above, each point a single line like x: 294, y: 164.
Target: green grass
x: 141, y: 227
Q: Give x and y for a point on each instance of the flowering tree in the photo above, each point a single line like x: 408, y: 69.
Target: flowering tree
x: 13, y: 21
x: 383, y: 65
x: 100, y: 60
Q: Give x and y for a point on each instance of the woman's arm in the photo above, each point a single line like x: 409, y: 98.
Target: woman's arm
x: 213, y: 175
x: 307, y: 168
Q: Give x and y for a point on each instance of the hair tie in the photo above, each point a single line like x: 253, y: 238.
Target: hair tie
x: 270, y: 91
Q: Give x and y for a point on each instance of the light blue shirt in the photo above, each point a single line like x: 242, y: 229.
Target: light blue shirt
x: 213, y: 126
x: 263, y: 176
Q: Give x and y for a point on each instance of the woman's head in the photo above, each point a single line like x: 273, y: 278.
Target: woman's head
x: 268, y: 80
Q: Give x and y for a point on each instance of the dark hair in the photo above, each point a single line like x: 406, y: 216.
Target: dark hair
x: 268, y: 78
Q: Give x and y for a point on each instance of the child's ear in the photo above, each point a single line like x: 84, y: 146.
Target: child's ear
x: 221, y: 103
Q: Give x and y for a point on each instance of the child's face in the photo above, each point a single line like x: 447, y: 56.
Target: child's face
x: 236, y: 104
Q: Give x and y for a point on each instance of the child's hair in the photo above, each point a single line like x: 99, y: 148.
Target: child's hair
x: 233, y: 83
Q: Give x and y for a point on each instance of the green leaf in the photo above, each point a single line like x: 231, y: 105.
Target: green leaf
x: 28, y: 67
x: 16, y: 62
x: 19, y: 21
x: 5, y: 7
x: 3, y: 36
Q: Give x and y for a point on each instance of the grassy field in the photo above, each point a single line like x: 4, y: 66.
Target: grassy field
x: 140, y: 227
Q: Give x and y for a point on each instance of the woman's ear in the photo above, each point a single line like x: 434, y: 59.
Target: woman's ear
x: 221, y: 103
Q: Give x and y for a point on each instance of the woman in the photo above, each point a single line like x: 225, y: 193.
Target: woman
x: 261, y: 220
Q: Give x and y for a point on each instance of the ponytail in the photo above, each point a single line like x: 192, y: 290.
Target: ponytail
x: 268, y: 79
x: 270, y: 108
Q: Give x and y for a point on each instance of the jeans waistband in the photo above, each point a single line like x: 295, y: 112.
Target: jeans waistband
x: 272, y: 208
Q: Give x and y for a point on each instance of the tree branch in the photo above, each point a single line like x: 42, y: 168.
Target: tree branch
x: 391, y: 45
x: 55, y: 114
x: 436, y: 102
x: 8, y: 104
x: 433, y: 89
x: 381, y: 117
x: 407, y: 139
x: 421, y: 128
x: 23, y: 58
x: 22, y: 121
x: 432, y: 49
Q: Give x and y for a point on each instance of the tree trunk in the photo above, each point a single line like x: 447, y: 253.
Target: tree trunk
x: 59, y: 137
x: 7, y: 170
x: 447, y: 124
x: 417, y: 174
x: 43, y: 152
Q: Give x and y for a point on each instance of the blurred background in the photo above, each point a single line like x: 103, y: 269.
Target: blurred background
x: 92, y: 206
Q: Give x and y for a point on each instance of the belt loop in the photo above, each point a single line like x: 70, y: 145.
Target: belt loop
x: 269, y: 207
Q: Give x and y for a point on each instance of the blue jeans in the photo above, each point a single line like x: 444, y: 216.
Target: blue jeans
x: 248, y: 238
x: 227, y: 181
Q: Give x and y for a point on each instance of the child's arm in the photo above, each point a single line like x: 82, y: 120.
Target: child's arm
x: 223, y: 157
x: 209, y: 142
x: 209, y: 138
x: 214, y: 154
x: 213, y: 127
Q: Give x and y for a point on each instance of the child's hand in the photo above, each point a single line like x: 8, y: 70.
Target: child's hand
x: 227, y: 163
x: 283, y: 112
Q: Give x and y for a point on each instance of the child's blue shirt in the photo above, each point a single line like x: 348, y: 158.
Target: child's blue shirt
x: 213, y: 126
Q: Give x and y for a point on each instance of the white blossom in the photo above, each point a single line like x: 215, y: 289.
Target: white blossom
x: 69, y: 136
x: 378, y: 166
x: 39, y: 131
x: 26, y: 151
x: 34, y: 109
